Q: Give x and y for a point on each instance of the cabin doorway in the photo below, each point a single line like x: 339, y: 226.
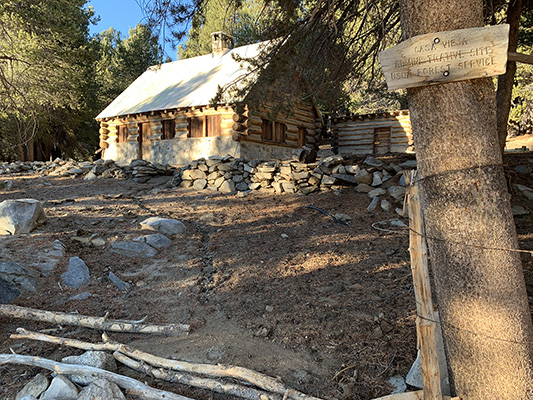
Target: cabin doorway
x: 382, y: 140
x: 144, y: 140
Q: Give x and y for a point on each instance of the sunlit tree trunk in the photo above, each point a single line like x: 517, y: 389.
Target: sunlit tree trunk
x: 480, y: 288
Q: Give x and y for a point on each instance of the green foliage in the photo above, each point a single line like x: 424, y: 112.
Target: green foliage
x: 43, y: 50
x: 55, y: 78
x: 121, y: 60
x: 242, y: 20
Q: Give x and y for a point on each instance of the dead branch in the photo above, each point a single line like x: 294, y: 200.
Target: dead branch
x: 132, y: 386
x: 101, y: 323
x: 262, y: 381
x: 203, y: 383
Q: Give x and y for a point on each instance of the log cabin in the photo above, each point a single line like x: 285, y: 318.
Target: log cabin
x: 167, y: 115
x: 376, y: 134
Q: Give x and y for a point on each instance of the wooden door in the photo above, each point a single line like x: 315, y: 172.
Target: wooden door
x: 144, y: 140
x: 382, y: 140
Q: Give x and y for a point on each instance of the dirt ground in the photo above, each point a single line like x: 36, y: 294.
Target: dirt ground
x: 268, y: 283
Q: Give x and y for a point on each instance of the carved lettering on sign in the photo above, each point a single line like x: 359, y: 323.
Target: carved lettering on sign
x: 446, y: 57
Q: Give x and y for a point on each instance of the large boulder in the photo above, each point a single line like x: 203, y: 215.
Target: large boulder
x: 8, y: 291
x: 166, y: 226
x: 20, y: 216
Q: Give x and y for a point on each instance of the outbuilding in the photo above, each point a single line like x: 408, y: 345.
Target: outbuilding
x: 377, y: 134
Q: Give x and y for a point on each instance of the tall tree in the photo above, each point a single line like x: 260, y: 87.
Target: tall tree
x: 479, y: 280
x: 121, y: 60
x: 43, y: 45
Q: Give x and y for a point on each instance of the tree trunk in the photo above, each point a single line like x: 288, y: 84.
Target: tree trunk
x: 506, y: 81
x: 480, y: 287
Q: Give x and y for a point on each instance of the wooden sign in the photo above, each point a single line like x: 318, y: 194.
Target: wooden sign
x: 446, y: 57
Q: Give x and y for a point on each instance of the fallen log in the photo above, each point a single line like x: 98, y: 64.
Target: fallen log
x: 262, y: 381
x: 132, y: 386
x: 203, y: 383
x: 101, y: 323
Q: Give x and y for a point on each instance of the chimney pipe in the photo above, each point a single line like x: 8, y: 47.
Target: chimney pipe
x: 221, y: 43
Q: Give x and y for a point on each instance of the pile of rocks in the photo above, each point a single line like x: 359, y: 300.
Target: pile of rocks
x: 139, y: 170
x: 229, y: 174
x: 63, y: 387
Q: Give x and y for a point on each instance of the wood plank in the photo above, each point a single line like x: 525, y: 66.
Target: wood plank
x: 520, y: 57
x: 446, y: 57
x: 431, y: 374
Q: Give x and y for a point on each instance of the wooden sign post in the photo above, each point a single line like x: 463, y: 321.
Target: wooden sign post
x: 446, y: 57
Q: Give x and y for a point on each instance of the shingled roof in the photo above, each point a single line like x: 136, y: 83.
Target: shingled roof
x: 184, y: 83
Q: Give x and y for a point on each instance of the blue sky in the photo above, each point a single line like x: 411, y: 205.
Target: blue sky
x: 121, y: 15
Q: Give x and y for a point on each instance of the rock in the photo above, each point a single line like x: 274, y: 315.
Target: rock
x: 133, y: 249
x: 331, y: 161
x: 101, y: 389
x: 77, y: 274
x: 518, y: 211
x: 398, y: 223
x: 352, y: 169
x: 343, y: 217
x: 363, y: 188
x: 20, y: 216
x: 60, y: 389
x: 227, y: 187
x: 328, y: 180
x: 373, y: 162
x: 525, y: 191
x: 199, y: 184
x: 90, y: 176
x: 386, y: 205
x: 166, y: 226
x: 399, y: 384
x: 241, y: 187
x: 81, y: 296
x: 117, y: 281
x: 97, y: 359
x: 345, y: 178
x: 409, y: 164
x: 24, y: 278
x: 523, y: 169
x: 363, y: 176
x: 156, y: 240
x: 376, y: 179
x: 376, y: 193
x: 373, y: 204
x: 34, y: 387
x: 397, y: 192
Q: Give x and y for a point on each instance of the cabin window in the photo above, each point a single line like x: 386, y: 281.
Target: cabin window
x: 168, y: 129
x: 266, y: 130
x: 196, y: 127
x: 273, y: 131
x: 302, y: 137
x: 213, y: 123
x: 207, y: 125
x: 122, y: 133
